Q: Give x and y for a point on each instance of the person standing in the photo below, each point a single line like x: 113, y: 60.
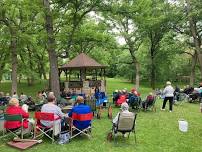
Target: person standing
x: 169, y: 95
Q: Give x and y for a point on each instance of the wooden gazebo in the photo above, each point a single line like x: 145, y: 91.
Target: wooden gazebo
x: 83, y: 74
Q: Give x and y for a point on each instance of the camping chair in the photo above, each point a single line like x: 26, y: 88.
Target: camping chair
x: 121, y: 100
x: 150, y: 106
x: 54, y: 129
x: 125, y: 124
x: 75, y: 131
x: 16, y: 132
x: 134, y: 102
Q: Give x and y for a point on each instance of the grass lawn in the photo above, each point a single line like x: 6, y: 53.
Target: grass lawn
x: 156, y: 131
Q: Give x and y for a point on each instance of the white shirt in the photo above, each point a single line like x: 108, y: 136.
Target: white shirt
x: 168, y: 91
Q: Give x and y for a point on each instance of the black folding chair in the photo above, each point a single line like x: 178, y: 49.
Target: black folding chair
x: 125, y: 124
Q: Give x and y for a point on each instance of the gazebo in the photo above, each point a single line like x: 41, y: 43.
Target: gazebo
x: 83, y: 74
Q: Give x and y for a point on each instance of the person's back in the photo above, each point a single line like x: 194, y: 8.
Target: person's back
x: 50, y: 107
x: 83, y: 114
x: 15, y: 109
x: 168, y: 91
x: 124, y: 111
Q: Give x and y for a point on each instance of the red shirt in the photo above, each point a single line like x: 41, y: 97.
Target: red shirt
x: 150, y: 98
x: 14, y: 110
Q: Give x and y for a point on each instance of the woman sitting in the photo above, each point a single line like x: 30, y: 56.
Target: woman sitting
x: 149, y: 101
x: 15, y: 109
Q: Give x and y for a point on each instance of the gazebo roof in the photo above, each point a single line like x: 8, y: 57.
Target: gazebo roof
x: 82, y: 61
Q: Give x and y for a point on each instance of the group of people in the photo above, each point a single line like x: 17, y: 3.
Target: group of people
x: 133, y: 98
x: 14, y: 108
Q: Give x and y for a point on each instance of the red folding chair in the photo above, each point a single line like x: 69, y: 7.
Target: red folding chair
x: 121, y: 100
x: 81, y: 118
x: 45, y: 129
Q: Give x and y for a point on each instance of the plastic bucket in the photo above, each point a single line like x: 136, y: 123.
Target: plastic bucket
x: 183, y: 125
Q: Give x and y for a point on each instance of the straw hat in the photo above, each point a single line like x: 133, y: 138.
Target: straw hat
x: 14, y: 102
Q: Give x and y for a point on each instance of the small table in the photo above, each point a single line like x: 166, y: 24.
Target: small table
x: 67, y: 109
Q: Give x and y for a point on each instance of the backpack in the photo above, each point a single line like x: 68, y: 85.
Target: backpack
x: 64, y: 138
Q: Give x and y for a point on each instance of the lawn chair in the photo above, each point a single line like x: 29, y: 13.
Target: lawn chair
x: 135, y: 102
x: 125, y: 124
x: 82, y: 118
x: 55, y: 129
x: 150, y: 106
x: 16, y: 132
x: 121, y: 100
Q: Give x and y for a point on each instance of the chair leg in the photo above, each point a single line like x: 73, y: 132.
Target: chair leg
x: 53, y: 137
x: 128, y: 134
x: 135, y: 137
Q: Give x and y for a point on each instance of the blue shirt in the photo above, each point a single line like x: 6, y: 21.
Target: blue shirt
x: 81, y: 110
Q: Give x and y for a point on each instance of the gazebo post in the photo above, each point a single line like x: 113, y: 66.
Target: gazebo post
x: 95, y: 74
x: 70, y: 75
x: 66, y: 74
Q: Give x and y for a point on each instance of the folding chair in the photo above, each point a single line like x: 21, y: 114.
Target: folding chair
x: 81, y: 118
x: 135, y: 102
x: 151, y: 105
x: 125, y: 124
x: 55, y: 128
x: 16, y: 132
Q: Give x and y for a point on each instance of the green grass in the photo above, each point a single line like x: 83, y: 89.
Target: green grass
x: 156, y: 131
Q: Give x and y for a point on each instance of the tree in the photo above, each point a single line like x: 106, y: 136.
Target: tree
x: 194, y: 16
x: 54, y: 77
x: 122, y: 18
x: 154, y: 20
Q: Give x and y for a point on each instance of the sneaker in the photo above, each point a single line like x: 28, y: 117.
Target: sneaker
x: 163, y: 109
x: 170, y: 111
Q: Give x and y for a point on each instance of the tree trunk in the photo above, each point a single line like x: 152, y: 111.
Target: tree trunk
x: 54, y: 77
x: 195, y: 34
x: 153, y: 69
x: 30, y: 77
x: 199, y: 54
x: 192, y: 75
x: 137, y: 76
x: 14, y: 60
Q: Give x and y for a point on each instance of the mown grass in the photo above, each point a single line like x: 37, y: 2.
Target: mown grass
x: 156, y: 131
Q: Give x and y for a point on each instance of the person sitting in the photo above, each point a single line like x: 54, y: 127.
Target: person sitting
x: 122, y: 99
x: 114, y: 94
x: 125, y: 110
x: 30, y: 103
x: 50, y: 107
x: 134, y: 91
x: 23, y: 97
x: 194, y: 95
x: 15, y: 95
x: 15, y: 109
x: 188, y: 90
x: 80, y: 109
x: 134, y: 101
x: 149, y: 101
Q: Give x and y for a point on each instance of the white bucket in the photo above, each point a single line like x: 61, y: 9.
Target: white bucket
x: 183, y: 125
